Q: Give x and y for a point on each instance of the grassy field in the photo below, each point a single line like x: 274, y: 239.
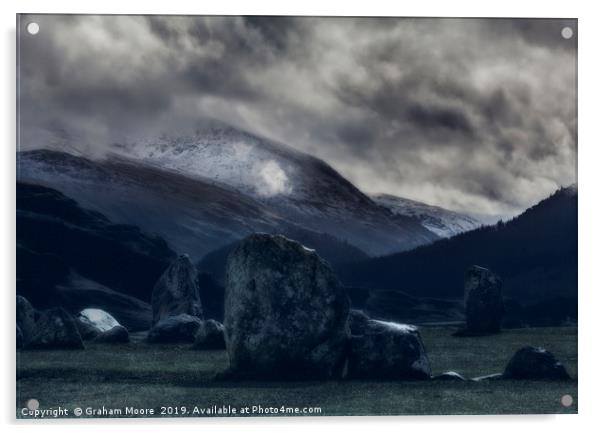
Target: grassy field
x: 151, y: 377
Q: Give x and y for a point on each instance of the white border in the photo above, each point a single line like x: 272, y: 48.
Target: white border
x: 590, y: 218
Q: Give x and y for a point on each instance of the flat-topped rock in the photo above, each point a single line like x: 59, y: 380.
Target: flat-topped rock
x: 535, y: 363
x: 388, y: 351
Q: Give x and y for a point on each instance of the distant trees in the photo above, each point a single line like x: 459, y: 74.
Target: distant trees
x: 535, y: 253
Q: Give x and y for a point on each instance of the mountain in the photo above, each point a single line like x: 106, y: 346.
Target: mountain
x: 443, y: 222
x: 296, y: 186
x: 534, y: 253
x: 64, y: 248
x: 204, y: 191
x: 194, y: 216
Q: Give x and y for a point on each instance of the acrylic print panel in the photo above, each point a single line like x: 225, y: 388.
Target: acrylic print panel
x: 295, y: 216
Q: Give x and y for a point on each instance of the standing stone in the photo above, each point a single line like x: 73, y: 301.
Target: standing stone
x: 388, y: 351
x: 26, y: 318
x: 535, y: 363
x: 177, y: 291
x: 56, y: 329
x: 483, y: 301
x: 285, y: 311
x: 210, y: 336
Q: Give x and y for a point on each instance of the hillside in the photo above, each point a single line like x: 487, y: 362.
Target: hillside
x: 74, y: 257
x: 534, y: 253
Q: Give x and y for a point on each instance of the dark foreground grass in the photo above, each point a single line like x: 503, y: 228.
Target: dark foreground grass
x: 141, y: 376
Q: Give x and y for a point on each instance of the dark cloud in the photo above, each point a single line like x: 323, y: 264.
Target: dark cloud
x: 543, y: 32
x: 472, y: 114
x: 450, y: 119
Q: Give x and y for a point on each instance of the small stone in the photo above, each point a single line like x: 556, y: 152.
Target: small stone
x: 494, y: 376
x: 449, y: 376
x: 535, y: 363
x: 175, y: 329
x: 117, y: 334
x: 388, y: 351
x: 210, y: 336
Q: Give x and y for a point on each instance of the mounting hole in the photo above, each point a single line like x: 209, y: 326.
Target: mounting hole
x: 567, y: 33
x: 33, y: 28
x: 566, y: 400
x: 32, y: 404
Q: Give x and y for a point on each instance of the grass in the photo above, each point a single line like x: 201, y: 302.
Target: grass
x: 149, y: 377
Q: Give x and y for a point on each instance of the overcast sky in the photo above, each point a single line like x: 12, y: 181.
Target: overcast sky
x: 471, y: 114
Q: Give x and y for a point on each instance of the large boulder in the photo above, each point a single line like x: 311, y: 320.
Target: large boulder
x: 117, y: 334
x: 175, y: 329
x: 177, y: 291
x: 98, y: 318
x: 483, y: 301
x: 210, y: 336
x: 55, y: 329
x: 535, y: 363
x: 93, y: 322
x: 26, y: 318
x: 285, y: 311
x: 388, y: 351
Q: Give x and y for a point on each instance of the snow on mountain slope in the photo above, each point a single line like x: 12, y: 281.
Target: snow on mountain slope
x: 296, y: 186
x: 226, y: 155
x: 442, y: 222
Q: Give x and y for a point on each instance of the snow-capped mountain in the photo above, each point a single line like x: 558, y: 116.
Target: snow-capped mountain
x: 223, y: 154
x: 296, y: 186
x: 443, y: 222
x: 210, y: 188
x: 201, y: 192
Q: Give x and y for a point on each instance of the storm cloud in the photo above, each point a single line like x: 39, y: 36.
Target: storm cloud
x: 477, y: 115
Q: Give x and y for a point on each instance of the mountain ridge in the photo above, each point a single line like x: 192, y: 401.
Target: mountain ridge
x: 140, y: 189
x: 302, y: 187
